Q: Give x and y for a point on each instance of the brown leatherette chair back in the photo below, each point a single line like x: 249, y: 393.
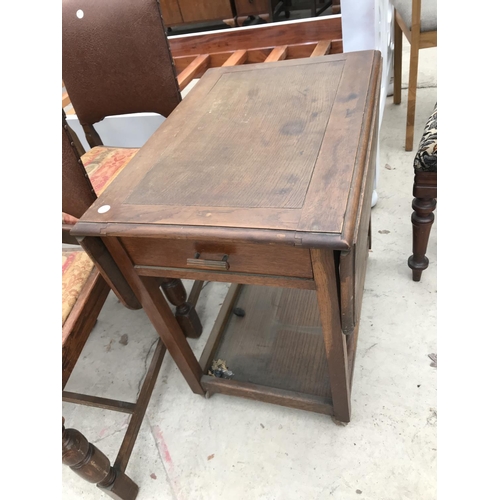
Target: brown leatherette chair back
x: 116, y: 60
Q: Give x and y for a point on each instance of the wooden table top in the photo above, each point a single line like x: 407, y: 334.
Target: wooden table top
x: 273, y: 152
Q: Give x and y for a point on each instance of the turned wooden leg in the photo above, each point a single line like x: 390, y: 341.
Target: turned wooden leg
x: 398, y: 61
x: 91, y: 464
x: 185, y: 312
x: 422, y: 219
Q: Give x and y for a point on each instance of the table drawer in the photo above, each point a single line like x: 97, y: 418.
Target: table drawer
x: 251, y: 258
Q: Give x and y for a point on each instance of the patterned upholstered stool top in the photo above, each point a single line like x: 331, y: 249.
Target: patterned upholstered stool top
x: 426, y: 157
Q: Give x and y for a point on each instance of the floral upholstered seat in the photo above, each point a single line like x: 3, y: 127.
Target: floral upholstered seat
x: 76, y: 269
x: 426, y: 157
x: 103, y: 164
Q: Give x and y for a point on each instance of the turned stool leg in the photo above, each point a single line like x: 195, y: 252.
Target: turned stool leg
x: 91, y: 464
x: 185, y: 313
x: 422, y: 219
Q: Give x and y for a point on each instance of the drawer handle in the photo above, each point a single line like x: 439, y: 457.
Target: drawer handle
x: 216, y: 265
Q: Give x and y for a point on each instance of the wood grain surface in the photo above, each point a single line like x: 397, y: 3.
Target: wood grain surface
x: 279, y: 341
x: 264, y: 146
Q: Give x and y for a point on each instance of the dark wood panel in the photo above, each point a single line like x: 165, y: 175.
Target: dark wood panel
x: 170, y: 12
x: 365, y: 148
x: 353, y: 264
x: 341, y: 147
x: 249, y: 258
x: 252, y: 7
x: 361, y: 244
x: 278, y: 343
x: 259, y: 122
x: 200, y: 10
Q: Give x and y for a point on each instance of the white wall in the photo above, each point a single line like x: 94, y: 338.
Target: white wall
x: 367, y: 25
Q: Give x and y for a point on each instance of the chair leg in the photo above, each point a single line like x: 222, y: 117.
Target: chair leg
x: 412, y: 96
x: 91, y: 464
x: 422, y: 219
x: 185, y: 313
x: 398, y: 60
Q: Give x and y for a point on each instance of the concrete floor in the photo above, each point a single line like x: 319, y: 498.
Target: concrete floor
x: 190, y: 448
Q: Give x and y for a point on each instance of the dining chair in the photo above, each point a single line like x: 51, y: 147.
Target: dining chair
x: 417, y: 19
x: 84, y: 292
x: 116, y: 60
x: 425, y: 193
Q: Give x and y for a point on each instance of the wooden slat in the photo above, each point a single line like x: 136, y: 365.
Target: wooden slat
x: 97, y: 402
x: 219, y: 325
x: 268, y: 394
x: 322, y: 48
x: 277, y: 54
x: 428, y: 39
x: 197, y: 66
x: 238, y: 57
x: 335, y: 341
x: 195, y: 292
x: 352, y: 342
x: 263, y: 35
x: 258, y: 55
x: 182, y: 62
x: 225, y: 277
x: 134, y: 425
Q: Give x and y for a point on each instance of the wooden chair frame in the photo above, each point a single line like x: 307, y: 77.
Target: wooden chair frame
x: 417, y: 40
x: 84, y: 458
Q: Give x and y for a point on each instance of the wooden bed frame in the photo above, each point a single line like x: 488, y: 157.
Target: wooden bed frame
x: 194, y: 54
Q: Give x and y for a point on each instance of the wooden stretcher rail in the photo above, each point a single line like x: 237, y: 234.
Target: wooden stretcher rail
x: 196, y: 53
